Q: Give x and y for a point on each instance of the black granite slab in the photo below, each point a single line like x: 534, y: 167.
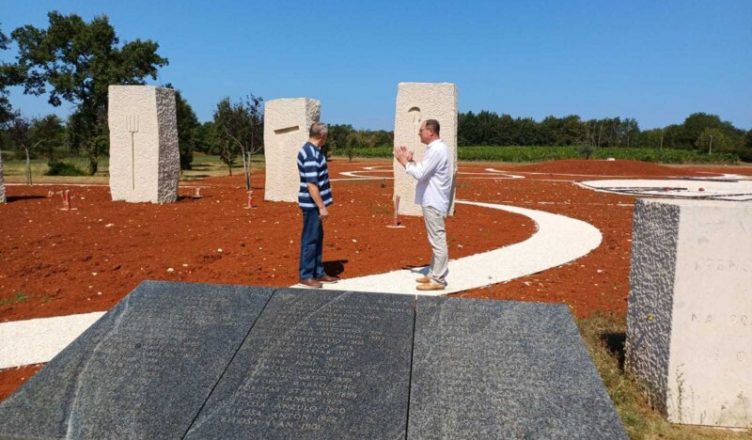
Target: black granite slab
x: 504, y: 370
x: 317, y: 365
x: 142, y: 371
x: 198, y: 361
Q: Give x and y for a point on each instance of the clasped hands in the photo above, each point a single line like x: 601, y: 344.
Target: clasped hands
x: 403, y: 155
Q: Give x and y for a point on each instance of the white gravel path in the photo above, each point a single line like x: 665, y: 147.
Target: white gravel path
x: 557, y: 240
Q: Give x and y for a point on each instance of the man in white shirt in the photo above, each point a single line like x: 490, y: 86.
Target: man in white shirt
x: 432, y: 192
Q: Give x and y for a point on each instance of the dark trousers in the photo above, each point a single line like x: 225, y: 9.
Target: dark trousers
x: 311, y: 245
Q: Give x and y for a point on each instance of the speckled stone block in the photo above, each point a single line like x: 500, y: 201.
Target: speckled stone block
x: 417, y: 102
x: 2, y: 181
x: 201, y: 361
x: 144, y: 154
x: 317, y: 365
x: 689, y: 323
x: 144, y: 370
x: 504, y: 370
x: 287, y: 122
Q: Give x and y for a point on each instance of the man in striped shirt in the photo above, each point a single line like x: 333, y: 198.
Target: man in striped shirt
x: 313, y: 198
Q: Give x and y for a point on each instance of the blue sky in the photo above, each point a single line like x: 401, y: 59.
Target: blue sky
x: 656, y: 61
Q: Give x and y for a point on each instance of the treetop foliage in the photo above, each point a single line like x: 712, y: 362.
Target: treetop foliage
x: 76, y: 61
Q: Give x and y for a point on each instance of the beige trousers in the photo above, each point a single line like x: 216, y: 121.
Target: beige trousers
x: 439, y: 268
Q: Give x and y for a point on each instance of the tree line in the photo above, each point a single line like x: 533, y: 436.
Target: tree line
x: 701, y: 131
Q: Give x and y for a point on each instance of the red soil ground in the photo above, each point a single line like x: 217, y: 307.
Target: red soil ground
x: 55, y: 262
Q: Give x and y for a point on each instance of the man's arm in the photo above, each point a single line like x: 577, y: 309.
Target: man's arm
x: 426, y: 167
x: 313, y: 189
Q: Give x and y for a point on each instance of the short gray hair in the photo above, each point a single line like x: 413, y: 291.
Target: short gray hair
x: 318, y: 130
x: 433, y: 125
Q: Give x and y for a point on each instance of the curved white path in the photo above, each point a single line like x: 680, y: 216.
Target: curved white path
x: 38, y: 340
x: 356, y: 175
x: 557, y: 240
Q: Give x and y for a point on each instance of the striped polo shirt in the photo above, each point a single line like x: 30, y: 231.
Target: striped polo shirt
x: 312, y: 169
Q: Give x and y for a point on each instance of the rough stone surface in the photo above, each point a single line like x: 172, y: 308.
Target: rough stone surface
x: 144, y: 154
x: 417, y: 102
x: 656, y: 230
x: 142, y: 371
x: 318, y: 365
x: 689, y: 323
x: 504, y: 369
x: 193, y: 361
x: 2, y: 181
x: 286, y: 125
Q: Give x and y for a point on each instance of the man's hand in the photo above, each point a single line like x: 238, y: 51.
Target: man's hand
x: 402, y: 155
x: 323, y: 213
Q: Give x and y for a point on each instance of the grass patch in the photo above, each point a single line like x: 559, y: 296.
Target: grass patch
x: 16, y: 298
x: 205, y: 165
x: 604, y: 337
x: 73, y: 169
x: 60, y: 168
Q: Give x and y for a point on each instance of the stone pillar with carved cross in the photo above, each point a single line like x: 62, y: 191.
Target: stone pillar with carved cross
x: 2, y: 181
x: 144, y: 154
x: 286, y: 125
x: 417, y: 102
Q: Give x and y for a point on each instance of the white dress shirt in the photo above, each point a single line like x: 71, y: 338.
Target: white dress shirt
x: 434, y: 175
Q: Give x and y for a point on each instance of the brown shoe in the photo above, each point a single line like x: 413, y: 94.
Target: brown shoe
x: 430, y: 286
x: 423, y: 279
x: 327, y: 279
x: 310, y: 282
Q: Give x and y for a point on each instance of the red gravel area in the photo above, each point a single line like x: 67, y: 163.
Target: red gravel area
x: 54, y: 262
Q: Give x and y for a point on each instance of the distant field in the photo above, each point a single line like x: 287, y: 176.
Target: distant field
x: 202, y: 166
x: 537, y: 154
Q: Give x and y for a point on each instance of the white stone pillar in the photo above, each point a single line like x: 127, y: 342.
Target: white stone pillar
x: 287, y: 122
x: 2, y: 181
x: 689, y: 325
x: 144, y: 154
x: 417, y: 102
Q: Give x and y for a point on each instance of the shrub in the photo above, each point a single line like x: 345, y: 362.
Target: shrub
x: 60, y: 168
x: 585, y: 151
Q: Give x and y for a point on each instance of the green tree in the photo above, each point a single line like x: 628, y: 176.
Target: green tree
x: 45, y: 134
x: 239, y: 126
x: 76, y: 61
x: 653, y: 138
x: 697, y: 123
x: 188, y: 127
x: 18, y: 131
x: 629, y: 131
x: 205, y: 139
x: 337, y: 137
x: 671, y: 135
x: 714, y: 139
x: 745, y: 150
x: 467, y: 129
x: 9, y: 76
